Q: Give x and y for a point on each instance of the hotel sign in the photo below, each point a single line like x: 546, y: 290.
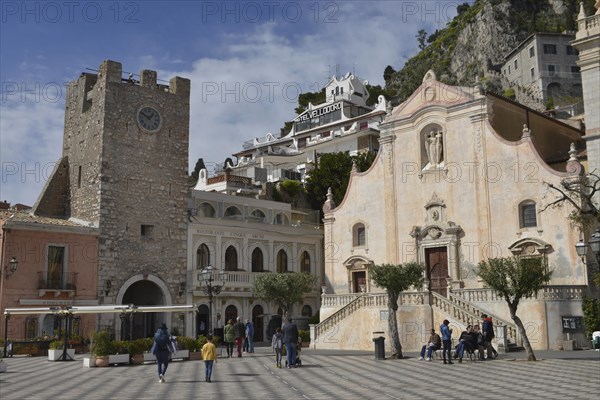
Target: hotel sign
x: 318, y: 112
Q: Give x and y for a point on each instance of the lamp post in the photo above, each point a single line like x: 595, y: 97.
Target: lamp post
x: 593, y: 244
x: 7, y: 270
x: 212, y: 287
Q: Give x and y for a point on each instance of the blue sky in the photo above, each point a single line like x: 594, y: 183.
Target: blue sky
x: 247, y: 62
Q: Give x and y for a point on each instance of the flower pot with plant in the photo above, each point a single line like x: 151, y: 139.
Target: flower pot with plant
x: 136, y: 350
x: 102, y: 347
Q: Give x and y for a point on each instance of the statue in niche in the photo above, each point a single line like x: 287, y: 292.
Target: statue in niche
x: 433, y: 148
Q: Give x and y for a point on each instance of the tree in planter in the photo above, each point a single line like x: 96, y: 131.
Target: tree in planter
x: 515, y: 278
x: 396, y: 279
x: 102, y: 344
x: 284, y: 289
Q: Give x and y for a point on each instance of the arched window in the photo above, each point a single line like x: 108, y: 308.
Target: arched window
x: 206, y: 210
x: 202, y: 257
x: 306, y: 311
x: 305, y: 262
x: 282, y: 261
x: 231, y: 313
x: 231, y: 259
x: 232, y: 212
x: 281, y: 219
x: 359, y: 235
x: 527, y: 214
x: 257, y: 260
x: 258, y: 215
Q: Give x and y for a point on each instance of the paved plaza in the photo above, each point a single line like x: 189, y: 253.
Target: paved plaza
x: 323, y: 375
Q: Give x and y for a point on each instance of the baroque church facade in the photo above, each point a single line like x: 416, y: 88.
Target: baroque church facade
x: 459, y: 178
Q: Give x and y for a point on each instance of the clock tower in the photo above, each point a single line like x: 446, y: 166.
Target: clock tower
x: 125, y: 158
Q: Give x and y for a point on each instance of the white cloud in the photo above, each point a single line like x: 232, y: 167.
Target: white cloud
x: 249, y: 89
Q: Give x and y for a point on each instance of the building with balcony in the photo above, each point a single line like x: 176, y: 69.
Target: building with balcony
x: 544, y: 66
x: 57, y: 267
x: 344, y: 122
x: 459, y: 179
x: 247, y: 237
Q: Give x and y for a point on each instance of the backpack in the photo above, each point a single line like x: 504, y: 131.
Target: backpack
x: 162, y: 339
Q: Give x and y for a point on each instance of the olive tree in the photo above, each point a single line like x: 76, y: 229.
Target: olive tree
x: 514, y: 279
x: 396, y: 279
x: 283, y: 288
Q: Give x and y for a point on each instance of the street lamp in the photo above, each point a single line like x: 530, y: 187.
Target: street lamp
x: 593, y: 244
x: 12, y: 267
x: 212, y: 286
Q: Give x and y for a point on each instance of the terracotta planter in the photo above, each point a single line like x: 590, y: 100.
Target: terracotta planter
x: 137, y: 359
x: 102, y: 361
x: 195, y: 355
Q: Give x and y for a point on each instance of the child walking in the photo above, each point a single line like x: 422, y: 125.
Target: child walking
x: 277, y: 345
x: 209, y: 354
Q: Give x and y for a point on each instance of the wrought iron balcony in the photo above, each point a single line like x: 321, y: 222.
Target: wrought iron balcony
x: 67, y: 281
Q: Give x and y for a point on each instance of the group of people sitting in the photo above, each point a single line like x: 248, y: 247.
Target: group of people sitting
x: 470, y: 340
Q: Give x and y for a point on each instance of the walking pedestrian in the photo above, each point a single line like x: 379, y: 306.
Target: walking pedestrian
x: 250, y: 336
x: 240, y: 333
x: 161, y: 351
x: 209, y: 354
x: 487, y: 329
x: 229, y: 334
x: 277, y: 346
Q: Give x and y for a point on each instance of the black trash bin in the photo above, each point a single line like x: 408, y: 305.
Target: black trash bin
x: 379, y: 348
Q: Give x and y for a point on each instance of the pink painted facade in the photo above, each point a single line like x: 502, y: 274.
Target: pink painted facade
x: 57, y: 267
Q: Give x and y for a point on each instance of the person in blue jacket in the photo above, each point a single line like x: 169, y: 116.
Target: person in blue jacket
x: 446, y: 341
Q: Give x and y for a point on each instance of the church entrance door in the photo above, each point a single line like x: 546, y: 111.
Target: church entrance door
x: 359, y: 281
x: 437, y: 269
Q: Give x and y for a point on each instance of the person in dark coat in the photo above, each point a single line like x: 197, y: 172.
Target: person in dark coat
x: 290, y: 339
x: 161, y: 352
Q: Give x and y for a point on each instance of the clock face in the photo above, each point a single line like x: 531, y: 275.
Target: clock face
x: 149, y: 119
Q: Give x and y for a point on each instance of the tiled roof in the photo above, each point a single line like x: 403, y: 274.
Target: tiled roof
x: 28, y: 217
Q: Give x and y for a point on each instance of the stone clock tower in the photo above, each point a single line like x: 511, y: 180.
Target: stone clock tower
x: 125, y: 159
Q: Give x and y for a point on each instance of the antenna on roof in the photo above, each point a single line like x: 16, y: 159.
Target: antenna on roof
x: 337, y: 70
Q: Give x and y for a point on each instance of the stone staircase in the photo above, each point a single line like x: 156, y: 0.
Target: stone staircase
x: 468, y: 313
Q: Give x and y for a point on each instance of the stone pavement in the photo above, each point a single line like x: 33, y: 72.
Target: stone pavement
x: 323, y: 375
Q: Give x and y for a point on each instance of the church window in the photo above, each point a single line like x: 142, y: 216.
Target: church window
x: 527, y: 214
x: 359, y: 235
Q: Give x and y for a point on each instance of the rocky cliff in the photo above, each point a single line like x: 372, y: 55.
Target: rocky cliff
x: 476, y: 41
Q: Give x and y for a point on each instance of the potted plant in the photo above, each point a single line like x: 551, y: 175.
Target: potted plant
x: 56, y: 349
x: 136, y: 350
x: 195, y: 347
x: 102, y: 347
